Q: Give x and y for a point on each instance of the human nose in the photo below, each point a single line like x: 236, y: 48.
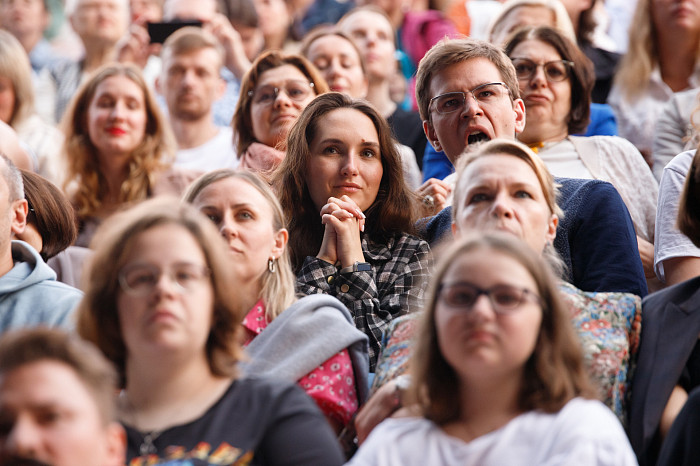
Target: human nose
x: 227, y: 228
x: 23, y: 439
x: 282, y: 98
x: 539, y: 77
x: 471, y: 105
x: 349, y: 167
x: 117, y: 111
x: 502, y: 207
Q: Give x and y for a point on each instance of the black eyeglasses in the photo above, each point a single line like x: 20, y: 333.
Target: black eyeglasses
x: 554, y: 71
x: 296, y: 90
x: 504, y: 298
x: 484, y: 94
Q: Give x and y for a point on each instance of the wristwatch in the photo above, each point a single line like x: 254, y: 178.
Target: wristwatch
x: 357, y: 267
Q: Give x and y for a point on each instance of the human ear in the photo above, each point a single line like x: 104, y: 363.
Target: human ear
x: 430, y: 133
x: 280, y: 242
x: 519, y: 109
x: 18, y: 211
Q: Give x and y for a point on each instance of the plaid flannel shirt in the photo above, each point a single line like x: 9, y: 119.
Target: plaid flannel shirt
x: 394, y: 286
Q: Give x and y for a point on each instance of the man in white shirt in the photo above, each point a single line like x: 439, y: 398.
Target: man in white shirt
x: 190, y: 83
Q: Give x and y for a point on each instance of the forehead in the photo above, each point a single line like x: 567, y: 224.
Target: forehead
x: 163, y: 244
x: 504, y: 168
x: 528, y: 15
x: 44, y: 384
x: 279, y: 75
x: 203, y: 57
x: 464, y: 76
x: 331, y: 46
x: 92, y: 3
x: 347, y: 124
x: 486, y: 266
x: 202, y: 10
x: 231, y: 190
x: 119, y: 85
x: 535, y: 48
x: 366, y: 21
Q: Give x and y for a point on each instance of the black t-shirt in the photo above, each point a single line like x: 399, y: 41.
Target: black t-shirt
x: 408, y: 130
x: 256, y: 422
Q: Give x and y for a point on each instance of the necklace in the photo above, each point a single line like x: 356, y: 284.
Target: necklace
x: 147, y: 446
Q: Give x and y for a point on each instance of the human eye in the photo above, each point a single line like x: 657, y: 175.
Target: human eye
x: 368, y: 153
x: 141, y: 277
x: 523, y: 68
x: 522, y: 194
x: 556, y: 70
x: 133, y: 104
x: 321, y: 64
x: 296, y: 91
x: 48, y: 416
x: 450, y: 102
x: 105, y: 102
x: 331, y: 150
x: 265, y: 94
x: 506, y: 296
x: 186, y: 274
x: 478, y: 197
x: 485, y: 93
x: 460, y: 295
x: 245, y: 215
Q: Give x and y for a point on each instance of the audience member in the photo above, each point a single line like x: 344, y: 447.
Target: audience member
x: 13, y: 149
x: 275, y: 24
x: 245, y: 19
x: 118, y: 147
x: 555, y: 80
x: 29, y: 291
x: 667, y: 367
x: 454, y: 124
x: 498, y: 380
x: 343, y: 167
x: 675, y: 129
x: 190, y: 83
x: 17, y: 108
x: 273, y: 94
x: 99, y: 24
x: 159, y: 303
x: 312, y: 340
x: 57, y: 402
x: 661, y: 60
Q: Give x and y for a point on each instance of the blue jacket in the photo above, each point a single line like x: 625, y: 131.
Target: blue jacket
x: 30, y: 294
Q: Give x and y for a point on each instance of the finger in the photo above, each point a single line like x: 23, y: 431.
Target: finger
x: 348, y: 204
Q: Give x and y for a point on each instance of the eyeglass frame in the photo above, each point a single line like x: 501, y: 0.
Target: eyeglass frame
x: 568, y: 64
x: 499, y: 83
x: 497, y: 307
x: 203, y: 269
x: 277, y: 90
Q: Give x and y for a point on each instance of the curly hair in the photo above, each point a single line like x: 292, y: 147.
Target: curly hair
x: 393, y: 212
x: 85, y: 180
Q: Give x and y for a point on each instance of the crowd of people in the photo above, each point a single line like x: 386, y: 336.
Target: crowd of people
x: 319, y: 232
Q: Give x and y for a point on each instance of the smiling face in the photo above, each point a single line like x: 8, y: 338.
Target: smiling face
x: 272, y: 121
x: 245, y: 219
x: 374, y: 36
x: 345, y: 159
x: 117, y: 117
x: 48, y: 415
x: 340, y: 65
x: 547, y: 103
x: 502, y: 192
x: 453, y: 132
x: 478, y: 343
x: 168, y: 318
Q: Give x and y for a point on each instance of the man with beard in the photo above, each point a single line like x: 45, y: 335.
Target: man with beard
x: 57, y: 402
x: 190, y: 83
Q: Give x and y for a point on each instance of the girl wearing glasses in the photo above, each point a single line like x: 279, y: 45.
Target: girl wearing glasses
x: 351, y: 214
x: 160, y: 305
x: 498, y: 373
x: 555, y: 80
x: 274, y: 92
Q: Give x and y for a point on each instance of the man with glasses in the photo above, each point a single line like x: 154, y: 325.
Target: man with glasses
x: 467, y: 93
x: 191, y: 83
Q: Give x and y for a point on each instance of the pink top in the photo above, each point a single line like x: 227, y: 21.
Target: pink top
x: 331, y: 385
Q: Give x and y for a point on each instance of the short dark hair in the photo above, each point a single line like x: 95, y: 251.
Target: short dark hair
x: 554, y: 373
x: 50, y: 212
x: 22, y: 347
x: 393, y: 212
x: 582, y: 77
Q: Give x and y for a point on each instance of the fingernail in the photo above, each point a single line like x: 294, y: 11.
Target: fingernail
x: 362, y: 228
x: 359, y: 212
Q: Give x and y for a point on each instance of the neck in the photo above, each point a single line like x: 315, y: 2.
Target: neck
x: 677, y: 55
x: 487, y: 405
x: 29, y: 41
x: 97, y: 55
x: 378, y: 95
x: 191, y: 134
x: 535, y: 132
x: 114, y: 169
x: 160, y: 393
x: 6, y: 262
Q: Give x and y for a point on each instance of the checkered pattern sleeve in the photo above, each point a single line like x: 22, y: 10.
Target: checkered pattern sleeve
x: 395, y: 285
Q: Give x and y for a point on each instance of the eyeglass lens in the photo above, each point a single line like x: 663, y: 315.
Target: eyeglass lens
x: 141, y: 279
x: 295, y: 90
x: 483, y: 94
x: 556, y: 70
x: 464, y: 295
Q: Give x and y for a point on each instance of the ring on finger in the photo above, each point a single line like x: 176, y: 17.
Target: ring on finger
x: 429, y: 200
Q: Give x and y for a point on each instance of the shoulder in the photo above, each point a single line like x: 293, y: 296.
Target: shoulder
x: 672, y: 294
x: 681, y: 163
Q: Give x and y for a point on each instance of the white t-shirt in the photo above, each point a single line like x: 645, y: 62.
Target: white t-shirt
x: 670, y: 242
x: 216, y: 153
x: 584, y: 432
x: 563, y: 161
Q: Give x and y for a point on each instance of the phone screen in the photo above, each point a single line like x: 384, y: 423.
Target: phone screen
x: 161, y: 31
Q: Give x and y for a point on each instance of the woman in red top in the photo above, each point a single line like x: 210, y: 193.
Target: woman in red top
x: 332, y: 365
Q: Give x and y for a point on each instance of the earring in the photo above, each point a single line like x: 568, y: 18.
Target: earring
x: 271, y: 265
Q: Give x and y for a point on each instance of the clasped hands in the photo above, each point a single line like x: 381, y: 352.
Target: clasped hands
x: 344, y: 221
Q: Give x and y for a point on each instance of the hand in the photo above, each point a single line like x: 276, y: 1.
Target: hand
x: 646, y: 254
x: 439, y: 190
x: 341, y: 240
x: 235, y: 58
x: 135, y: 47
x: 380, y: 406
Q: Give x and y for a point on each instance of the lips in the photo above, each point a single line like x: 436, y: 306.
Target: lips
x: 116, y: 131
x: 161, y: 315
x: 348, y: 188
x: 536, y: 98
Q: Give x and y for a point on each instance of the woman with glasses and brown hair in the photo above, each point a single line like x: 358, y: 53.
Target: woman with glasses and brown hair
x: 160, y: 304
x: 498, y: 375
x: 274, y: 92
x: 555, y: 80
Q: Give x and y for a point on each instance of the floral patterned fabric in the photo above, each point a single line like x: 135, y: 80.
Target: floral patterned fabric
x: 608, y: 324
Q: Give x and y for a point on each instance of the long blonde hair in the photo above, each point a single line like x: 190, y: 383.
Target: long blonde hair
x: 85, y: 181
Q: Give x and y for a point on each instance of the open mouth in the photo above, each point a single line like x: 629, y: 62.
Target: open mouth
x: 477, y: 137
